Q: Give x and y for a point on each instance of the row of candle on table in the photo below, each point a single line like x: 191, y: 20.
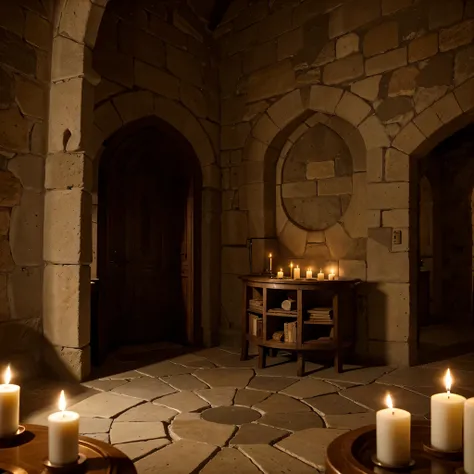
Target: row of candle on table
x: 295, y: 272
x: 452, y: 423
x: 63, y: 432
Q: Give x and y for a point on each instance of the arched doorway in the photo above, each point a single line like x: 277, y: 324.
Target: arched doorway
x: 446, y: 322
x: 149, y: 214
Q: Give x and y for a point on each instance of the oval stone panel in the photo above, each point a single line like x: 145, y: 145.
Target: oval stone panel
x: 317, y: 179
x: 231, y: 415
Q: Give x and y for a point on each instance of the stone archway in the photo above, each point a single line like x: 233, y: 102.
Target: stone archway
x: 74, y: 141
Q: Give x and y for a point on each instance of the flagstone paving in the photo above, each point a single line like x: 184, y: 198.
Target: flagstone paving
x: 209, y: 412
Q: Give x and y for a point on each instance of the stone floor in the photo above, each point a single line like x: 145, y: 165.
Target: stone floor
x: 209, y: 412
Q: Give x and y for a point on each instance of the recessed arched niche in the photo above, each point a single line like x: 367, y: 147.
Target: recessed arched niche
x: 316, y: 179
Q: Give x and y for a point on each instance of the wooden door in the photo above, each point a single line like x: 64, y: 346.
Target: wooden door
x: 147, y: 220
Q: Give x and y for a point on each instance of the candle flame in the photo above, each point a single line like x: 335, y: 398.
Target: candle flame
x: 320, y: 270
x: 62, y: 401
x: 291, y: 264
x: 448, y: 380
x: 297, y: 266
x: 388, y: 401
x: 7, y: 376
x: 333, y: 271
x: 270, y: 256
x: 281, y: 269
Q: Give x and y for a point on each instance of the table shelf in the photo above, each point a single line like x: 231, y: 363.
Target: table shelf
x: 309, y: 294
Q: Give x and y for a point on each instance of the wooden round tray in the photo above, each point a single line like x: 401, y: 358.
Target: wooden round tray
x: 31, y: 449
x: 352, y: 453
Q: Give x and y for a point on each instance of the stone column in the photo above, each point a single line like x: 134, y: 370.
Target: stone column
x: 68, y: 200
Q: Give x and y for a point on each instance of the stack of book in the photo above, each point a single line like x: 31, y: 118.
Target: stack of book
x: 256, y: 305
x: 320, y: 315
x: 256, y: 325
x: 289, y: 330
x: 281, y: 312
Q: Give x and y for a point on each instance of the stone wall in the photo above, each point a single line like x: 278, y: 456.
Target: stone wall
x: 25, y: 46
x: 399, y: 72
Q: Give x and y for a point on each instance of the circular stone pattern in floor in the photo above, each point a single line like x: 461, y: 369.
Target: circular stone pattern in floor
x: 230, y: 415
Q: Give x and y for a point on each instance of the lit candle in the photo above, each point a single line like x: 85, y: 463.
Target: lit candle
x: 446, y: 419
x: 332, y: 275
x: 291, y: 270
x: 309, y: 273
x: 469, y: 436
x: 297, y: 273
x: 63, y: 436
x: 9, y: 406
x: 270, y: 258
x: 393, y: 435
x: 321, y: 275
x: 280, y: 273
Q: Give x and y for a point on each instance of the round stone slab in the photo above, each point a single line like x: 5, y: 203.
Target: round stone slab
x: 231, y: 415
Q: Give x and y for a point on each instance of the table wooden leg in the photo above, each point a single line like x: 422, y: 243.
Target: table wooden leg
x: 300, y: 365
x: 244, y: 351
x: 338, y: 362
x: 262, y: 357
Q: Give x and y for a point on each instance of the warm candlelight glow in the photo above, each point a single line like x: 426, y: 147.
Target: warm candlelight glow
x: 448, y: 380
x: 297, y: 266
x: 291, y: 264
x: 7, y: 376
x: 270, y: 256
x: 281, y: 269
x: 309, y: 269
x: 62, y: 401
x: 389, y: 401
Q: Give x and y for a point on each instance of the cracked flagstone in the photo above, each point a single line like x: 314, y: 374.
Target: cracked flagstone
x: 184, y: 382
x: 127, y: 431
x: 230, y: 461
x: 334, y: 404
x: 310, y: 445
x: 271, y: 460
x: 104, y: 405
x: 353, y: 374
x: 145, y: 388
x: 129, y: 375
x: 165, y: 369
x: 286, y: 369
x: 104, y: 385
x: 218, y: 396
x: 249, y: 398
x: 180, y: 457
x: 233, y: 415
x: 182, y: 402
x: 226, y: 377
x: 308, y: 388
x: 277, y: 403
x: 148, y: 412
x: 201, y: 430
x: 292, y: 421
x: 253, y: 433
x: 271, y: 384
x: 104, y: 437
x: 350, y: 422
x: 139, y: 449
x: 94, y: 425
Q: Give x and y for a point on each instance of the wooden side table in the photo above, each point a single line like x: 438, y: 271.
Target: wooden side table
x: 351, y: 454
x: 340, y: 295
x: 26, y: 456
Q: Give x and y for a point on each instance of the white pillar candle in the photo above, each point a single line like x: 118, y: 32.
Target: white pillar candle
x: 9, y: 406
x: 297, y: 273
x: 332, y: 274
x: 447, y: 419
x: 393, y: 435
x: 469, y: 436
x: 321, y: 275
x: 280, y: 273
x: 63, y: 435
x: 270, y: 258
x: 309, y: 274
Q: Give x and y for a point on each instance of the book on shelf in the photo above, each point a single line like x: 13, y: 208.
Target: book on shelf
x: 255, y: 326
x: 281, y: 312
x: 256, y: 309
x: 256, y: 302
x: 320, y: 314
x: 290, y: 332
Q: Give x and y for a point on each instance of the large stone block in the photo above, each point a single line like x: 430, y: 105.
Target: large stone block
x: 354, y: 219
x: 464, y: 65
x: 194, y: 99
x: 299, y: 190
x: 134, y: 105
x: 259, y: 57
x: 156, y: 80
x: 70, y: 119
x: 338, y: 241
x: 10, y: 189
x: 26, y: 232
x: 396, y: 218
x: 438, y: 71
x: 265, y: 129
x: 184, y: 65
x: 392, y: 6
x: 389, y: 309
x: 107, y: 119
x: 447, y: 108
x: 66, y: 307
x: 352, y: 109
x: 324, y: 99
x: 381, y: 38
x: 235, y: 260
x: 271, y: 81
x: 67, y: 227
x: 373, y: 133
x: 12, y: 18
x: 286, y: 109
x: 347, y: 45
x: 115, y: 66
x: 409, y: 139
x: 14, y: 130
x: 31, y: 98
x: 465, y: 95
x: 456, y: 36
x: 375, y: 165
x: 234, y: 228
x: 387, y: 195
x: 26, y: 281
x: 74, y: 19
x: 69, y: 59
x: 367, y: 88
x: 234, y: 137
x: 30, y: 171
x: 334, y: 186
x: 6, y: 261
x: 344, y: 70
x: 386, y: 62
x: 67, y: 363
x: 293, y: 240
x: 397, y: 165
x: 445, y: 13
x: 16, y: 53
x: 385, y: 266
x: 356, y: 269
x: 423, y: 47
x: 424, y: 97
x: 68, y: 170
x: 352, y: 15
x: 289, y: 44
x: 403, y: 82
